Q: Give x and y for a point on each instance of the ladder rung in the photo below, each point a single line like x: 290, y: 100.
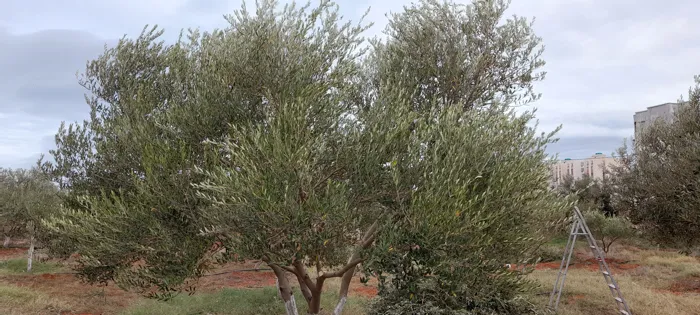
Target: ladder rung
x: 623, y: 312
x: 606, y: 273
x: 594, y: 247
x: 612, y: 286
x: 579, y: 234
x: 619, y: 300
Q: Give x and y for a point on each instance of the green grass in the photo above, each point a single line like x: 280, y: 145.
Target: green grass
x: 559, y: 241
x: 236, y: 302
x: 19, y: 266
x: 15, y: 301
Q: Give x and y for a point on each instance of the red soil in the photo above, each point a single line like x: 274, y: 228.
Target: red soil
x: 93, y: 300
x: 363, y: 290
x: 572, y: 299
x: 7, y: 253
x: 591, y: 264
x: 687, y: 285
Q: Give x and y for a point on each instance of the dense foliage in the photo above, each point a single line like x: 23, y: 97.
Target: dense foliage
x: 471, y: 189
x: 477, y: 198
x: 281, y: 140
x: 658, y: 181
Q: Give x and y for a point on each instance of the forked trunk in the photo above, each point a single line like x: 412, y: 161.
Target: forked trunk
x: 312, y: 291
x: 30, y: 254
x: 6, y: 243
x: 285, y: 290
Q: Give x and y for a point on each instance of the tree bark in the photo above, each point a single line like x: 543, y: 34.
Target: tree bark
x: 304, y: 289
x: 341, y: 304
x: 30, y: 254
x: 315, y: 303
x: 315, y: 289
x: 367, y: 239
x: 285, y: 290
x: 6, y: 243
x: 345, y: 285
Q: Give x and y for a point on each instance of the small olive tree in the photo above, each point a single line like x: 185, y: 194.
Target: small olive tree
x: 608, y: 229
x: 27, y: 197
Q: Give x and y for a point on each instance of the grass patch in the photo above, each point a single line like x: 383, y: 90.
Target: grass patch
x: 19, y: 266
x: 586, y: 293
x: 549, y: 253
x: 19, y: 301
x: 237, y: 302
x: 559, y: 241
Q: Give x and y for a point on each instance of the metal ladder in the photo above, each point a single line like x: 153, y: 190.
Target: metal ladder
x: 579, y: 227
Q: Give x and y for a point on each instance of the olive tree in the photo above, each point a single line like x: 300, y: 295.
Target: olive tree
x: 658, y: 180
x: 276, y: 138
x: 11, y: 219
x: 608, y: 229
x: 131, y: 211
x: 472, y: 190
x: 27, y: 197
x: 475, y: 199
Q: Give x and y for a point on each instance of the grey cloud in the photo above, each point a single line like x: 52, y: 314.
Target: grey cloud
x: 607, y: 60
x: 581, y: 147
x: 612, y: 118
x: 204, y: 7
x: 47, y: 143
x: 38, y: 72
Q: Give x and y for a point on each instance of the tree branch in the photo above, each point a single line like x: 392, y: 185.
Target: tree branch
x: 288, y: 269
x: 370, y: 235
x: 299, y: 266
x: 285, y: 268
x: 342, y: 271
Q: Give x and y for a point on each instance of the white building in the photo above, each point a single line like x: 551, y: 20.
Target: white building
x: 594, y: 166
x: 666, y: 111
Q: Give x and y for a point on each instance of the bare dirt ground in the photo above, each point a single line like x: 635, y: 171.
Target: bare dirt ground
x: 85, y: 299
x: 653, y: 281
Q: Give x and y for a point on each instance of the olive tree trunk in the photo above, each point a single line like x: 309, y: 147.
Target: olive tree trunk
x: 367, y: 240
x: 285, y: 290
x: 30, y: 254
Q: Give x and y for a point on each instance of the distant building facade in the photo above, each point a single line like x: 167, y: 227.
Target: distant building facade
x: 593, y: 166
x: 666, y: 111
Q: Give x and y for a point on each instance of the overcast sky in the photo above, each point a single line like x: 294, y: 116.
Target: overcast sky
x: 605, y: 60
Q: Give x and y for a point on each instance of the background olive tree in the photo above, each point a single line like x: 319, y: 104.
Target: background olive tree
x: 658, y: 179
x: 26, y: 198
x: 11, y: 222
x: 608, y: 229
x: 602, y: 208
